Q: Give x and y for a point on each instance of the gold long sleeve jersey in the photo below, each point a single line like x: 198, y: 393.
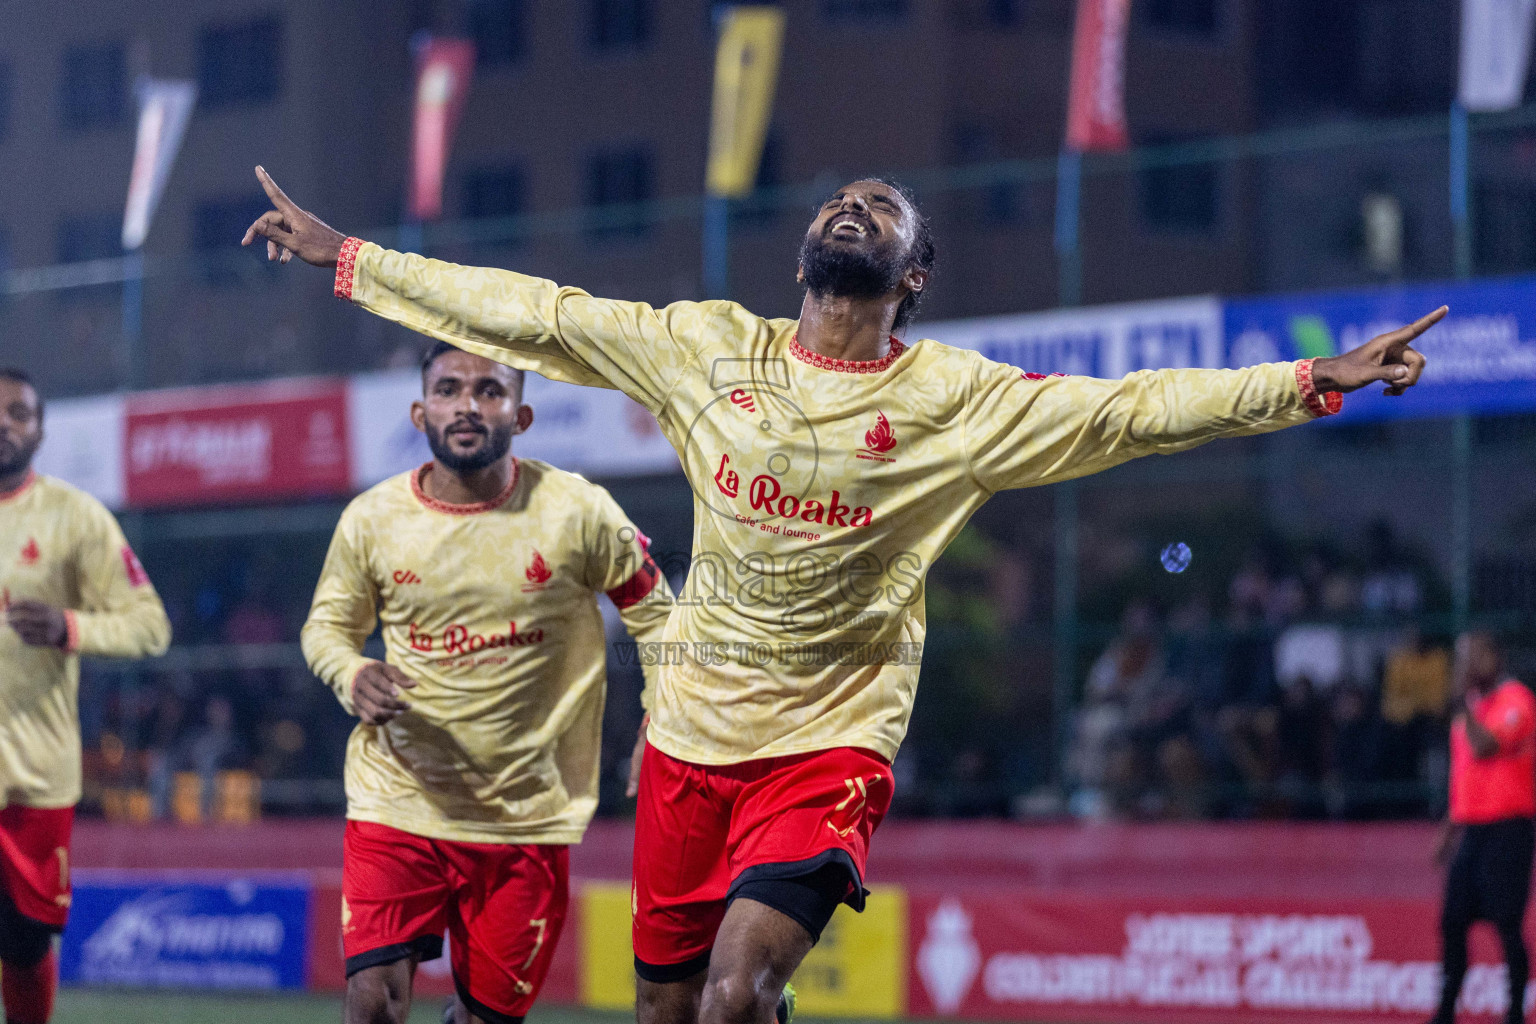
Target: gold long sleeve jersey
x: 823, y: 489
x: 61, y: 546
x: 492, y: 610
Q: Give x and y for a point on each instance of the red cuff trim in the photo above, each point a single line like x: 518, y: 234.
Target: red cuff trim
x: 1324, y: 404
x: 822, y: 362
x: 346, y: 267
x: 631, y: 593
x: 71, y: 632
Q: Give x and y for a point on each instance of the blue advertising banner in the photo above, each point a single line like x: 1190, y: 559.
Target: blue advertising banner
x: 1482, y: 357
x: 180, y: 931
x: 1103, y: 341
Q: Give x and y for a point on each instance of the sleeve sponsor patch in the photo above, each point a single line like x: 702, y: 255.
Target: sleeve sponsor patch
x: 137, y: 577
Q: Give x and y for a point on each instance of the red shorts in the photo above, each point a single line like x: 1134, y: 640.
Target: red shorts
x: 503, y: 906
x: 34, y: 861
x: 698, y: 828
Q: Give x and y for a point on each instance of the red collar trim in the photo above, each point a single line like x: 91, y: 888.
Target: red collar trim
x: 20, y: 488
x: 448, y: 508
x: 822, y: 362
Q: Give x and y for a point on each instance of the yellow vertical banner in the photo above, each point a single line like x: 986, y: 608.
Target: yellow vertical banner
x: 746, y: 74
x: 606, y: 978
x: 859, y: 968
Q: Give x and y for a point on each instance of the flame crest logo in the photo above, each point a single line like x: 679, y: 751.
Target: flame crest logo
x: 879, y: 440
x: 537, y: 572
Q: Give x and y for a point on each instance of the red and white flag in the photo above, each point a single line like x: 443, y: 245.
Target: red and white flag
x: 165, y: 107
x: 1495, y: 52
x: 1096, y: 108
x: 444, y: 68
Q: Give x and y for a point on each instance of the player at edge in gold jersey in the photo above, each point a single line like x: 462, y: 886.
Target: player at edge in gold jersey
x: 476, y: 761
x: 70, y: 585
x: 830, y: 463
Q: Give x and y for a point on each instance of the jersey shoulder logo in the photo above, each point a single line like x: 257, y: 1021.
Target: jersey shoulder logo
x: 537, y: 572
x: 137, y: 577
x: 404, y: 577
x: 29, y: 552
x: 879, y: 441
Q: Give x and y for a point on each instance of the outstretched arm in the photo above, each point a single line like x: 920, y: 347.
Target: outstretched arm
x: 1022, y: 432
x: 527, y: 322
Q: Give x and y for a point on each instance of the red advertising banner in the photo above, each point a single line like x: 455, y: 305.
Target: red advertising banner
x: 254, y: 442
x: 1096, y: 106
x: 1016, y: 954
x: 444, y: 68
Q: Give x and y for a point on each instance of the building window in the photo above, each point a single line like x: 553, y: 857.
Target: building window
x: 619, y: 178
x: 216, y: 224
x: 499, y: 29
x: 1504, y: 233
x: 620, y: 24
x: 995, y: 204
x: 757, y: 210
x: 495, y: 192
x: 95, y: 86
x: 864, y: 10
x: 1190, y: 17
x: 95, y: 236
x: 5, y: 99
x: 1180, y: 197
x: 240, y: 65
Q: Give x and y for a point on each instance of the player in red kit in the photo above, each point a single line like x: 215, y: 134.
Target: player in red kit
x: 1492, y: 821
x: 71, y: 585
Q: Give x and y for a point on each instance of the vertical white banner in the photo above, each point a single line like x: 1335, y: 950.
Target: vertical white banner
x: 83, y: 446
x: 164, y: 109
x: 1495, y: 52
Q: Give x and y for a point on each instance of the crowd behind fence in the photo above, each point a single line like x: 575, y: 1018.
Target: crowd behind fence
x: 1307, y: 684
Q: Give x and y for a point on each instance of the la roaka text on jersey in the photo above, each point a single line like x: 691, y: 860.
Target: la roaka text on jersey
x: 458, y: 639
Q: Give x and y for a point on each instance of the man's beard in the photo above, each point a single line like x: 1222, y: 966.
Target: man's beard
x: 498, y: 441
x: 16, y: 458
x: 856, y: 272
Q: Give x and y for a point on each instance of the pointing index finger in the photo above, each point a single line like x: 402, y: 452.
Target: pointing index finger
x: 278, y: 197
x: 1403, y: 335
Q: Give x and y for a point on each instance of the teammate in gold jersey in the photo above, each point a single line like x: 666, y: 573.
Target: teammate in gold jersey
x: 70, y: 585
x: 475, y: 764
x: 831, y: 464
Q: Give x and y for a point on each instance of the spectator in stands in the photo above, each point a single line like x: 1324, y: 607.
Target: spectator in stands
x: 1301, y: 725
x: 1247, y: 718
x: 255, y: 620
x: 1352, y: 777
x: 1098, y: 733
x: 1415, y: 692
x: 1416, y: 684
x: 162, y: 743
x: 1391, y: 586
x: 212, y: 748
